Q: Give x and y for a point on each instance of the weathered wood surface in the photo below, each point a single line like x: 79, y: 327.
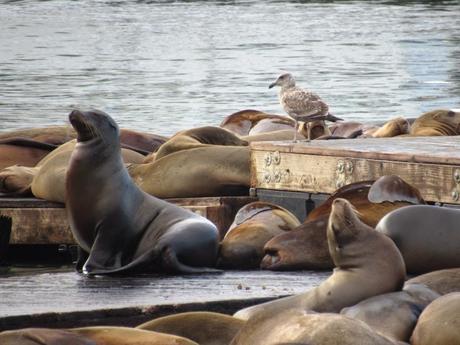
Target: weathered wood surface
x: 430, y: 164
x: 68, y: 299
x: 36, y: 221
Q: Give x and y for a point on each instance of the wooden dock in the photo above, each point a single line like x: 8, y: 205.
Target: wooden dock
x: 431, y: 164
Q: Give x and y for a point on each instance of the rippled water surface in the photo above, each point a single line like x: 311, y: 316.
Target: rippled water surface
x: 162, y: 66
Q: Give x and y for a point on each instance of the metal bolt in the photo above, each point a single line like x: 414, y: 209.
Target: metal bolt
x: 267, y: 177
x: 341, y: 167
x: 268, y: 159
x: 349, y: 167
x: 457, y: 176
x: 455, y: 195
x: 277, y: 176
x: 276, y: 158
x: 339, y: 184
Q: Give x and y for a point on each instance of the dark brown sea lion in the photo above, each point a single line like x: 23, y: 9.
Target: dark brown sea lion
x: 280, y: 135
x: 56, y: 135
x: 307, y: 328
x: 254, y: 224
x: 306, y: 247
x: 439, y: 323
x: 437, y: 122
x: 205, y: 328
x: 367, y: 264
x: 427, y: 236
x: 350, y: 129
x: 272, y: 124
x: 302, y: 248
x: 24, y: 152
x: 199, y: 137
x: 120, y: 226
x: 243, y: 121
x: 394, y: 314
x: 442, y: 281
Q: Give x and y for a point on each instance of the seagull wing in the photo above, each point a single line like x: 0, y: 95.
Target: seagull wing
x: 302, y: 103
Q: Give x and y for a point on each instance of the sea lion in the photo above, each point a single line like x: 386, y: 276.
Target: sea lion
x: 272, y: 124
x: 205, y: 328
x: 120, y: 226
x: 105, y: 335
x: 254, y: 224
x: 442, y: 281
x: 306, y: 246
x: 367, y: 264
x: 280, y: 135
x: 351, y: 129
x: 394, y: 314
x: 56, y: 135
x: 427, y: 236
x: 306, y: 328
x: 243, y: 121
x: 303, y: 248
x: 199, y: 137
x: 392, y: 128
x: 214, y: 170
x: 16, y: 180
x: 439, y: 323
x: 43, y: 336
x: 24, y: 152
x: 47, y: 179
x: 437, y: 122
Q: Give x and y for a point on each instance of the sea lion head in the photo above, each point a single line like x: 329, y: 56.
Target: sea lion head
x: 343, y: 226
x: 392, y: 128
x: 437, y: 122
x: 93, y: 124
x: 284, y: 80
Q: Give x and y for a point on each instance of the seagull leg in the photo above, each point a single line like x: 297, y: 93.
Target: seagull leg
x: 295, y: 130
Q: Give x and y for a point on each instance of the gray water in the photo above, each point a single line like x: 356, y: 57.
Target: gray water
x: 162, y: 66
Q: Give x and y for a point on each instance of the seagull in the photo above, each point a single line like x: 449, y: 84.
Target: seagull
x: 300, y: 104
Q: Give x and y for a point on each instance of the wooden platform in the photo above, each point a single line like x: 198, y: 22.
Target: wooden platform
x: 431, y: 164
x: 36, y: 221
x: 64, y: 298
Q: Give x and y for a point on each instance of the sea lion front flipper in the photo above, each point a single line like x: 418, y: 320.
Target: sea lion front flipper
x: 171, y: 263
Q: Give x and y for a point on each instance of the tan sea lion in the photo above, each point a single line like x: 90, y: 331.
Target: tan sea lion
x: 43, y: 336
x: 427, y: 236
x: 254, y: 224
x: 242, y: 121
x: 16, y: 180
x: 306, y: 328
x: 437, y: 122
x: 367, y: 264
x: 199, y: 172
x: 439, y: 323
x: 442, y: 281
x: 121, y: 227
x: 392, y: 128
x: 105, y: 335
x: 199, y: 137
x: 48, y: 177
x: 394, y: 314
x: 205, y: 328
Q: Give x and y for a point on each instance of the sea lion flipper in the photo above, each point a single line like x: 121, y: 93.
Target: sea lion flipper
x: 171, y: 263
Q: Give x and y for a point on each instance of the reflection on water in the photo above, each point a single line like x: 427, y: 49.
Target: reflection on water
x: 167, y: 65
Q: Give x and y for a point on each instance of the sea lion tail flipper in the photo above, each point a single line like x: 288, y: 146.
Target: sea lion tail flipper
x: 170, y: 262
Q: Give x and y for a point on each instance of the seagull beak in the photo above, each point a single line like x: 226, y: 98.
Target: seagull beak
x: 271, y: 85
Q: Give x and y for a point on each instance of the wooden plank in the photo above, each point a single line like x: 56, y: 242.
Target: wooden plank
x: 46, y: 223
x: 324, y: 174
x: 436, y: 150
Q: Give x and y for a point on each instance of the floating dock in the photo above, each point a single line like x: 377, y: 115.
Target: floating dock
x: 430, y: 164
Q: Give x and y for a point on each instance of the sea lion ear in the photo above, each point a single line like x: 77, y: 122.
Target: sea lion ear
x: 451, y: 113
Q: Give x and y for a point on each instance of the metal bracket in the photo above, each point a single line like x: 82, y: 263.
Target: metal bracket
x: 456, y: 190
x: 344, y: 171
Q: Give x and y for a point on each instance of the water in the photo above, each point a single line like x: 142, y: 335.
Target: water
x: 162, y: 66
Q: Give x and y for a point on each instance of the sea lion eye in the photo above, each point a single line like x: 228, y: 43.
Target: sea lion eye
x: 451, y: 113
